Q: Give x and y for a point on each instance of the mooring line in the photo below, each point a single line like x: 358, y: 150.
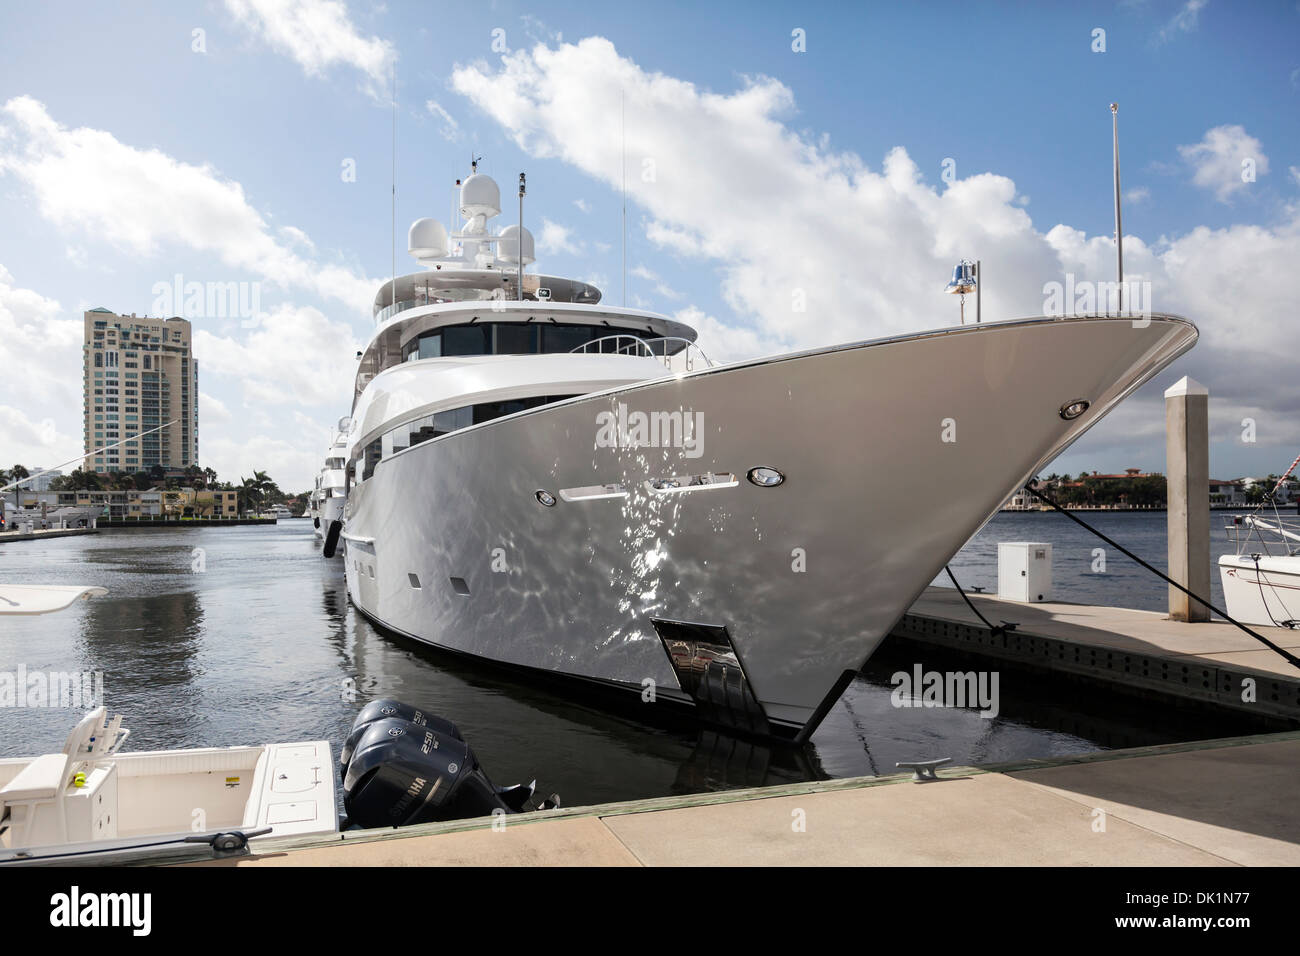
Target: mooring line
x: 1290, y: 658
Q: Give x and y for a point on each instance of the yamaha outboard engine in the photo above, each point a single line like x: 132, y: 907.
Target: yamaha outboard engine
x: 402, y: 766
x: 387, y: 707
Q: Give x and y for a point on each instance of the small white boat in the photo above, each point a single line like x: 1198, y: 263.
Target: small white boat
x: 44, y: 598
x: 90, y: 801
x: 1261, y: 581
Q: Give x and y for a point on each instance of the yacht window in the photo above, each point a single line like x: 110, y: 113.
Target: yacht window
x: 374, y: 452
x: 452, y: 420
x: 464, y: 340
x: 516, y: 338
x: 443, y: 423
x: 566, y: 338
x: 511, y: 338
x: 430, y: 346
x: 421, y: 430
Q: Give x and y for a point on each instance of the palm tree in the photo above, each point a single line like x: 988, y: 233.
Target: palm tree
x: 255, y: 490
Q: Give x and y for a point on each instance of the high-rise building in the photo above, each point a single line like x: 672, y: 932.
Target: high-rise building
x: 139, y: 373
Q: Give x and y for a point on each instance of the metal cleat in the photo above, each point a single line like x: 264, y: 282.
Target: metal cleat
x: 923, y: 770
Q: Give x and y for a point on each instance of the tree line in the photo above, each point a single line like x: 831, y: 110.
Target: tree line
x: 255, y: 493
x: 1135, y: 491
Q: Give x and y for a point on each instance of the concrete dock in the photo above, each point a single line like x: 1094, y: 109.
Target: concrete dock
x: 1213, y: 803
x: 43, y: 533
x: 1141, y: 652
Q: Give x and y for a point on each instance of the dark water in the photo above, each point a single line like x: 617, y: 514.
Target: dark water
x: 261, y: 645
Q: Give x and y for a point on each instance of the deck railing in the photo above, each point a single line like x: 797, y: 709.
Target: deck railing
x: 686, y: 358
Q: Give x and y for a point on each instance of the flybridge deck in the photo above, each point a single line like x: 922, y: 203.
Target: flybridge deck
x: 476, y: 297
x: 483, y: 328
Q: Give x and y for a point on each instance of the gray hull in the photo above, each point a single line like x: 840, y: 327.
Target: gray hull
x: 895, y: 453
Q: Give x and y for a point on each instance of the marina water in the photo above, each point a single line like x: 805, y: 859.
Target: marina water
x: 244, y: 635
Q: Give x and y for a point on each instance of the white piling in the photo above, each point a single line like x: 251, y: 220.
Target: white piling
x: 1187, y: 465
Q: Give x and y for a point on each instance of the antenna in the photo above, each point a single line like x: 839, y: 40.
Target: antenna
x: 1119, y: 232
x: 622, y: 102
x: 392, y: 231
x: 520, y: 238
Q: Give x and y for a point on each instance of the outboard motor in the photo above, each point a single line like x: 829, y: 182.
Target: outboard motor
x: 397, y: 771
x: 387, y: 707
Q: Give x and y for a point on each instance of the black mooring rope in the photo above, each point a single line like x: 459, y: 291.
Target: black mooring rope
x: 1259, y: 582
x: 1005, y: 626
x: 1291, y: 658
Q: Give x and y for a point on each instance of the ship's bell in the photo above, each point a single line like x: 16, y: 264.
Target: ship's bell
x: 963, y: 279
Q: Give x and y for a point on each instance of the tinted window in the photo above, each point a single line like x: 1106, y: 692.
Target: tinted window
x: 566, y: 338
x: 516, y: 339
x: 430, y: 346
x: 465, y: 340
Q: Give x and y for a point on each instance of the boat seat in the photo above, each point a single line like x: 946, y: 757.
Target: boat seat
x: 39, y: 780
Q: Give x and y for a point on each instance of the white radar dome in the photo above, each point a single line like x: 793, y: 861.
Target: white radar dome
x: 479, y: 196
x: 508, y: 245
x: 427, y: 239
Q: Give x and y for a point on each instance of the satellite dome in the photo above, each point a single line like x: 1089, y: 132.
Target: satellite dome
x: 508, y: 245
x: 480, y: 196
x: 427, y: 239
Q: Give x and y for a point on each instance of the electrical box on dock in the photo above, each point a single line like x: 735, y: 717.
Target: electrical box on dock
x: 1025, y: 571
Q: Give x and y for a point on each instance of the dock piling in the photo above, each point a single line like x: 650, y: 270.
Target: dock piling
x: 1187, y: 461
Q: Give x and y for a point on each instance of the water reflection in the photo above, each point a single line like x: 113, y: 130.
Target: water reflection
x: 262, y: 646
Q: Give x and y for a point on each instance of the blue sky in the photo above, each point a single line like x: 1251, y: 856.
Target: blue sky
x: 133, y: 149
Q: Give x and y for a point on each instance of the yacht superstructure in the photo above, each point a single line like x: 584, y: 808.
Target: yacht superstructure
x: 548, y: 482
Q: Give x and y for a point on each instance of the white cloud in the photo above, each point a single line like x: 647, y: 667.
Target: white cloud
x: 1217, y: 160
x: 317, y: 35
x: 291, y: 462
x: 582, y: 205
x: 99, y: 190
x: 212, y: 411
x: 1295, y: 174
x: 90, y: 184
x: 816, y: 247
x: 1185, y: 20
x: 783, y: 217
x: 40, y: 378
x: 556, y: 238
x: 1138, y: 195
x: 295, y: 355
x: 450, y: 129
x: 661, y: 287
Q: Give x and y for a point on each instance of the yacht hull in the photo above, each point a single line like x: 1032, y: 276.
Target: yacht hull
x: 753, y: 604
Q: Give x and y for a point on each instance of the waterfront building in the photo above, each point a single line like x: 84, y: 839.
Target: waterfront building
x: 139, y: 373
x: 156, y: 502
